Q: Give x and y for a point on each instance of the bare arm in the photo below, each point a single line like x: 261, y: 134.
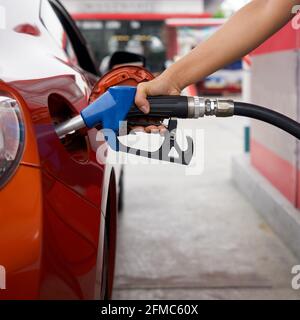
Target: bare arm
x: 245, y: 31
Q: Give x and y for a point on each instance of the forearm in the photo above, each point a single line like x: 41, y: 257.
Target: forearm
x: 246, y: 30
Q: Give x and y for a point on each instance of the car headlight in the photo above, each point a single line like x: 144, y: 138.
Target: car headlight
x: 11, y: 137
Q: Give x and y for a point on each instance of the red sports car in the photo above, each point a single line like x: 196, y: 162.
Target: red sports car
x: 58, y: 205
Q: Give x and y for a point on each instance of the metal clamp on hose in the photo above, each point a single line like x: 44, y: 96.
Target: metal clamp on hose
x: 196, y: 107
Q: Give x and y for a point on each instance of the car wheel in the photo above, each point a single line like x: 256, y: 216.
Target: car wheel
x: 109, y: 246
x: 104, y: 282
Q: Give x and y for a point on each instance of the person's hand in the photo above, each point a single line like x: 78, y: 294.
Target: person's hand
x: 162, y: 85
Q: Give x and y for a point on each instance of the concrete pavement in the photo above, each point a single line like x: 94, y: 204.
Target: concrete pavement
x: 198, y: 237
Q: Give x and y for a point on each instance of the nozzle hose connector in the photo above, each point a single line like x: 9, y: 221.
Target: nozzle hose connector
x: 219, y: 107
x: 199, y: 107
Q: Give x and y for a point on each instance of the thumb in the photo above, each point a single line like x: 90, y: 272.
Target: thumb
x: 141, y: 98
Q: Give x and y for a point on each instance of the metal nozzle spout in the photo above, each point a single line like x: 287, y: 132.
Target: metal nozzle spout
x: 69, y: 126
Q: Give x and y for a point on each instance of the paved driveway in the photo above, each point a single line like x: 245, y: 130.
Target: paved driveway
x: 197, y: 237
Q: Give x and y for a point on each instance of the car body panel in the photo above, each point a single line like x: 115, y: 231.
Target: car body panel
x: 52, y: 210
x: 21, y: 234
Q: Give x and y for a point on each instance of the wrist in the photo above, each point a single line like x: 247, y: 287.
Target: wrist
x: 169, y: 77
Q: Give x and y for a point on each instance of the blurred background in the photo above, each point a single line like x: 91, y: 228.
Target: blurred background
x: 233, y: 231
x: 162, y: 31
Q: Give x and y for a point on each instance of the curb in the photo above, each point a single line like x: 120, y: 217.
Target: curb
x: 278, y: 212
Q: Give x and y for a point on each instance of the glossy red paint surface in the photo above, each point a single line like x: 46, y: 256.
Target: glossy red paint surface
x: 21, y: 234
x: 28, y: 29
x: 52, y: 210
x: 71, y: 243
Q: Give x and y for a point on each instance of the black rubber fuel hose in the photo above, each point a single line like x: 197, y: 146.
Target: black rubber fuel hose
x: 272, y: 117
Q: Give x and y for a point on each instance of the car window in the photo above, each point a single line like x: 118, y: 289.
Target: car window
x: 57, y: 31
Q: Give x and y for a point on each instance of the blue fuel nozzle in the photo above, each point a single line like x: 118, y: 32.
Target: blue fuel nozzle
x: 111, y: 108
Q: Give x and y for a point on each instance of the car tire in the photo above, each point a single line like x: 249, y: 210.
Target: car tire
x: 109, y: 245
